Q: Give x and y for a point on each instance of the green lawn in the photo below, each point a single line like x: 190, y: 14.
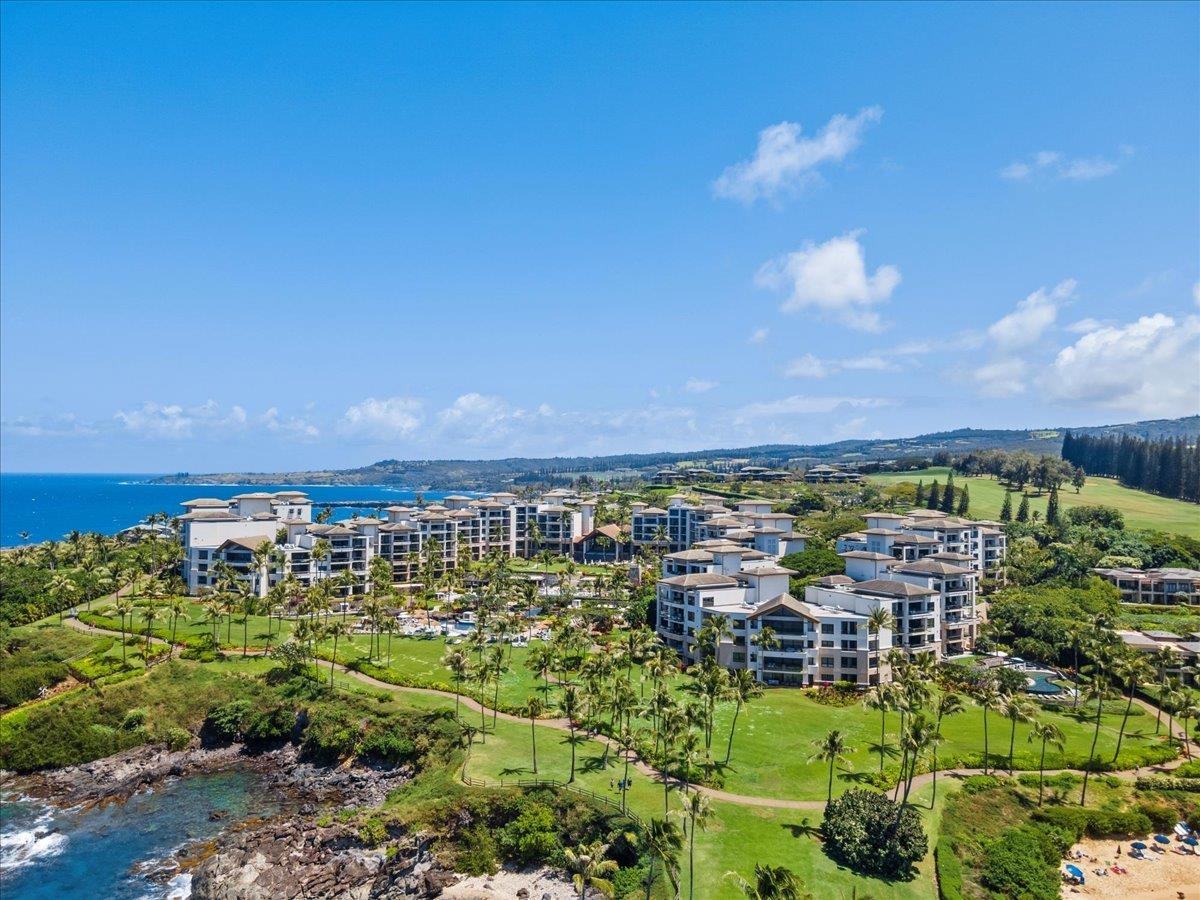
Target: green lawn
x: 1141, y: 510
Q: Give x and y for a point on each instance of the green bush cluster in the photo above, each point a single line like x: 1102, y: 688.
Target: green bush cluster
x: 1077, y: 821
x: 869, y: 833
x: 1023, y: 861
x: 949, y: 870
x: 1167, y: 783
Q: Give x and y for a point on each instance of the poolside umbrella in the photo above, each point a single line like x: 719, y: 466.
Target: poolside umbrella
x: 1162, y: 839
x: 1075, y: 872
x: 1191, y: 841
x: 1138, y: 845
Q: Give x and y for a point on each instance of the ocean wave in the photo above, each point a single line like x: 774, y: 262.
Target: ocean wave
x: 24, y: 848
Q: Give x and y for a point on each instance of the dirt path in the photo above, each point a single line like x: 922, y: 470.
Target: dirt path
x: 649, y: 771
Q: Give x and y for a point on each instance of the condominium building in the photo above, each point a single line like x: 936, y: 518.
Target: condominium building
x: 681, y: 525
x: 924, y: 532
x: 1160, y: 586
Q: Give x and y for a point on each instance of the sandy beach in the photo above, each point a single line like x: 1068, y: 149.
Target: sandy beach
x: 505, y: 884
x: 1161, y: 876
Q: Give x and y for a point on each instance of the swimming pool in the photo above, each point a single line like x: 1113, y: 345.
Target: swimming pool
x: 1041, y: 684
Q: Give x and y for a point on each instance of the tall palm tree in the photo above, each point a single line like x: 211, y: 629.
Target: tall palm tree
x: 663, y: 842
x: 589, y: 868
x: 947, y: 705
x: 459, y: 664
x: 335, y: 629
x: 62, y: 589
x: 742, y: 688
x: 916, y: 740
x: 248, y: 604
x: 1015, y: 709
x: 1164, y: 660
x: 1129, y: 670
x: 1046, y: 733
x: 882, y: 698
x: 571, y: 708
x: 498, y: 668
x: 771, y: 883
x: 1185, y: 710
x: 124, y: 607
x: 177, y: 607
x: 1096, y: 689
x: 149, y: 615
x: 533, y: 710
x: 832, y: 749
x: 627, y: 745
x: 989, y: 697
x: 698, y: 813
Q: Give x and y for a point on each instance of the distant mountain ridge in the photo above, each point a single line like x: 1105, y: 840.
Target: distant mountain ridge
x: 494, y: 474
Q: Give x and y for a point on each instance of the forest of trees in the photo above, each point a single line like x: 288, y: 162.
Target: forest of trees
x: 1170, y: 467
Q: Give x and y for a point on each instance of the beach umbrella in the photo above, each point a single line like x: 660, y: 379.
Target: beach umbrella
x: 1162, y: 839
x: 1138, y: 845
x: 1191, y: 841
x: 1075, y: 871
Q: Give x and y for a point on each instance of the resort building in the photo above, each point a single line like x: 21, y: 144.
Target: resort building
x: 1161, y: 586
x: 924, y: 532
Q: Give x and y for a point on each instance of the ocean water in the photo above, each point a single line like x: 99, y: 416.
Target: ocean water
x: 100, y: 852
x: 50, y: 506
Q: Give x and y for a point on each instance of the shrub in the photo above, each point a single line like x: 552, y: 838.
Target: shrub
x: 869, y: 833
x: 1022, y: 862
x: 134, y: 719
x: 1094, y: 822
x: 1188, y: 770
x: 372, y: 832
x: 477, y: 852
x: 332, y: 734
x: 175, y: 738
x: 975, y: 784
x: 226, y: 721
x: 1162, y: 816
x: 532, y: 837
x: 389, y: 745
x: 1167, y: 783
x: 949, y: 871
x: 274, y: 723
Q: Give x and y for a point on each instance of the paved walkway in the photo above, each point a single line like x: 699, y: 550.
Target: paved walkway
x: 561, y: 724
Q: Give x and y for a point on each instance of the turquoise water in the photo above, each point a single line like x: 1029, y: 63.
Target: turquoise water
x: 1042, y: 683
x: 47, y: 853
x: 50, y: 506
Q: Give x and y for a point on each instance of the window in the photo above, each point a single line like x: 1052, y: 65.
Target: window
x: 739, y: 657
x: 827, y: 628
x: 826, y: 662
x: 849, y: 662
x: 849, y: 628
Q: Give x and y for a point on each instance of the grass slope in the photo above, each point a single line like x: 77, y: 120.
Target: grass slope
x: 1141, y: 510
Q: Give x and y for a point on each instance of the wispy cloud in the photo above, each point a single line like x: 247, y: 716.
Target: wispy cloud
x: 698, y: 386
x: 1053, y: 165
x: 785, y: 161
x: 758, y: 336
x: 1027, y: 323
x: 810, y: 366
x: 833, y: 279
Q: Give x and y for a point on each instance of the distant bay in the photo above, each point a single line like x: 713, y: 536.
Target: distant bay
x: 50, y: 506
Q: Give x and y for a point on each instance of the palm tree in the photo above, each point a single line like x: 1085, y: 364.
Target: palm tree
x: 459, y: 664
x: 1046, y: 733
x: 571, y: 709
x: 947, y: 705
x: 1164, y: 660
x: 1185, y: 710
x: 335, y: 629
x: 771, y: 883
x: 832, y: 749
x: 540, y: 660
x: 1076, y: 631
x: 1015, y: 710
x: 664, y: 843
x: 533, y: 709
x: 698, y: 813
x: 627, y: 745
x: 177, y: 607
x: 124, y: 607
x: 62, y: 589
x: 498, y: 668
x: 149, y: 614
x: 882, y: 698
x: 742, y: 688
x: 989, y: 697
x: 248, y: 601
x: 1129, y: 670
x: 916, y: 739
x: 589, y: 868
x: 1096, y: 689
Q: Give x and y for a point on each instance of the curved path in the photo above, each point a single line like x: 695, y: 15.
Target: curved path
x: 644, y: 768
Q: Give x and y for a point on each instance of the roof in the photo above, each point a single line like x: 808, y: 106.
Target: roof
x: 209, y: 515
x: 892, y: 588
x: 915, y: 539
x: 833, y: 580
x: 392, y: 527
x: 264, y: 517
x: 866, y: 554
x: 455, y: 497
x: 852, y: 536
x: 651, y: 511
x: 701, y: 580
x: 290, y: 494
x: 724, y: 522
x: 882, y: 515
x: 692, y: 555
x: 930, y: 567
x: 251, y: 542
x: 947, y: 554
x: 611, y: 531
x: 364, y: 520
x: 926, y: 514
x: 206, y: 503
x: 880, y: 531
x: 769, y: 569
x: 783, y: 601
x: 255, y: 495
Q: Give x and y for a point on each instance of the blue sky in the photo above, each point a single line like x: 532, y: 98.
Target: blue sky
x: 272, y: 237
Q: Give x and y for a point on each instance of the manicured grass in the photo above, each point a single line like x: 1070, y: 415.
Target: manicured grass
x: 1141, y: 510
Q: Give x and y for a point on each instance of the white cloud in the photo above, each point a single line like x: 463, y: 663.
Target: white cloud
x: 1033, y: 316
x: 806, y: 366
x: 912, y: 348
x: 1148, y: 368
x: 1001, y: 378
x: 869, y: 363
x: 801, y: 405
x: 382, y: 420
x: 698, y: 386
x: 1196, y: 293
x: 1050, y: 164
x: 65, y: 425
x: 785, y: 162
x: 758, y: 336
x: 1084, y: 325
x: 292, y: 426
x: 176, y: 422
x: 831, y: 277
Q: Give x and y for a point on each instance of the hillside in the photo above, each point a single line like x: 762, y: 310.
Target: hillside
x: 1141, y: 510
x: 493, y: 474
